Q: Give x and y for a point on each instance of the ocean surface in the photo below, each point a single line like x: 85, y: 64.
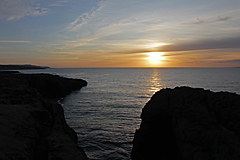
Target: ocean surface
x: 106, y: 113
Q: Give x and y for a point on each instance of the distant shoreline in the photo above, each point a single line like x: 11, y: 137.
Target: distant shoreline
x: 21, y: 67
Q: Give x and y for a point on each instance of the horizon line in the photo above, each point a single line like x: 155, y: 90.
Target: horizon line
x: 132, y: 67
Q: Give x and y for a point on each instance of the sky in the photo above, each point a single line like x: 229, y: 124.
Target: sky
x: 120, y: 33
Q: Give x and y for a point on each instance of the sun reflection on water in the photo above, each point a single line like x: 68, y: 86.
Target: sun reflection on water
x: 155, y: 81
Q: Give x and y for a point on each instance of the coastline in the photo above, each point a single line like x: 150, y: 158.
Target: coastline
x: 32, y: 122
x: 31, y: 102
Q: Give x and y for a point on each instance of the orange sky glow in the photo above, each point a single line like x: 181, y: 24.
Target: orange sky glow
x: 106, y: 33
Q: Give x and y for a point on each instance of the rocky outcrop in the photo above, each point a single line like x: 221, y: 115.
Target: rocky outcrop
x: 20, y: 67
x: 53, y: 86
x: 189, y: 124
x: 32, y: 123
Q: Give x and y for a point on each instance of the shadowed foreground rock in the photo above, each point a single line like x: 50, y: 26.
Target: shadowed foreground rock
x: 32, y: 123
x: 189, y: 124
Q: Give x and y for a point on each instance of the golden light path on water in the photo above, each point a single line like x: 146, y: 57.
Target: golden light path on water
x: 155, y: 81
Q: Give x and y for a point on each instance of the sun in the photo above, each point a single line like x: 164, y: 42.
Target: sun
x: 155, y: 57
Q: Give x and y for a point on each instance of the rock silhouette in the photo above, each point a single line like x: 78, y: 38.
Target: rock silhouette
x: 32, y: 123
x: 21, y: 67
x: 189, y: 124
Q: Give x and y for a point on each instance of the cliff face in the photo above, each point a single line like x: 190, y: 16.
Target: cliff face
x: 32, y: 124
x: 189, y: 124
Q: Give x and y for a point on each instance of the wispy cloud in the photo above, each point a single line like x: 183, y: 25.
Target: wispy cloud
x: 58, y: 3
x: 15, y: 41
x: 16, y: 9
x: 199, y: 21
x: 84, y: 18
x: 108, y: 26
x: 220, y: 19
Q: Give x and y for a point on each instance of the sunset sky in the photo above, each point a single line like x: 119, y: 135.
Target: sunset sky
x: 120, y: 33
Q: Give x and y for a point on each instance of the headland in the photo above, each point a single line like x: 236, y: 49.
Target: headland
x: 21, y: 67
x: 32, y: 123
x: 189, y: 124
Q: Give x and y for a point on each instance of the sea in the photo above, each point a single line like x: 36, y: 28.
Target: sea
x: 106, y: 113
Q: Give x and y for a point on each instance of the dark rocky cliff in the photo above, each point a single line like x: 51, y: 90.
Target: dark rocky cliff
x: 189, y: 124
x: 32, y: 123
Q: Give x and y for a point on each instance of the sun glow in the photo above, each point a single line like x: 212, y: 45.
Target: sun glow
x: 155, y: 57
x: 154, y: 45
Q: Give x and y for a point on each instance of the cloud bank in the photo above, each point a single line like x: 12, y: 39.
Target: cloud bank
x: 203, y: 45
x: 230, y: 61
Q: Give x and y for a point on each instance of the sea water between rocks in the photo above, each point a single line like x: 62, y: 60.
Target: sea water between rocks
x: 106, y: 113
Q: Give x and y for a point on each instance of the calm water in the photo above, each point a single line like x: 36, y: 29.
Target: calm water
x: 105, y: 114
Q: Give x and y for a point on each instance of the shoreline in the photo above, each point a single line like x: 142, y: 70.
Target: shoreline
x: 32, y: 123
